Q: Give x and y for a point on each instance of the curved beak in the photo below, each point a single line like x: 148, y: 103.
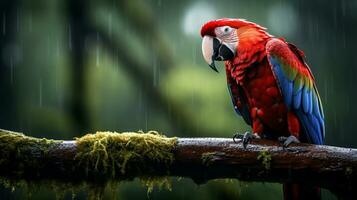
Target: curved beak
x: 213, y: 49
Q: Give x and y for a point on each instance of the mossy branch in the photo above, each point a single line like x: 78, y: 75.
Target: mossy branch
x: 107, y: 156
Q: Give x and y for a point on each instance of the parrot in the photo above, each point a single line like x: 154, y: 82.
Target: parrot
x: 271, y: 87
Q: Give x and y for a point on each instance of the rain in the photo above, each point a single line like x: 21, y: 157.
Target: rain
x: 137, y: 65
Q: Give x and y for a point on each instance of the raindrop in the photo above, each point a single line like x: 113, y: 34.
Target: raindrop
x: 194, y: 55
x: 343, y: 6
x: 154, y: 71
x: 146, y: 119
x: 347, y: 105
x: 326, y: 90
x: 11, y: 70
x: 57, y: 48
x: 343, y: 36
x: 317, y: 31
x: 332, y: 84
x: 97, y: 51
x: 48, y: 46
x: 116, y: 60
x: 17, y: 20
x: 335, y: 118
x: 158, y: 70
x: 56, y: 81
x: 140, y: 98
x: 335, y: 17
x: 342, y: 130
x: 30, y: 22
x: 40, y: 93
x: 110, y: 24
x: 59, y: 99
x: 4, y: 23
x: 69, y: 37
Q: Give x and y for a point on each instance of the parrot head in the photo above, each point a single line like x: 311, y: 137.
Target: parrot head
x: 222, y: 38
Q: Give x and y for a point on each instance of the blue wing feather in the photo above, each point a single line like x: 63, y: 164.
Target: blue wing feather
x: 303, y: 101
x: 297, y: 100
x: 286, y: 85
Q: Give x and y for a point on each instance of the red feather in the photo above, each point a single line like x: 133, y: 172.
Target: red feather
x: 253, y: 84
x: 208, y: 28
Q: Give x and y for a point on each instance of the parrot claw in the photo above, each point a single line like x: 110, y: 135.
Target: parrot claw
x: 288, y: 140
x: 237, y: 136
x: 245, y: 138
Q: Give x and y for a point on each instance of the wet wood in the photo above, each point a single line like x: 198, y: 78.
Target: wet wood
x: 330, y: 167
x: 203, y: 159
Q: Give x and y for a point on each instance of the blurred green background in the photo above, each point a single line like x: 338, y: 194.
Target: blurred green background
x: 69, y: 67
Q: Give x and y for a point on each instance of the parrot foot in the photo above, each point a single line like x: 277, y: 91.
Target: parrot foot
x: 288, y: 140
x: 245, y: 138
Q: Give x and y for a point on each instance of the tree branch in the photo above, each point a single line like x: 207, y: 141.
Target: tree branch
x: 106, y: 156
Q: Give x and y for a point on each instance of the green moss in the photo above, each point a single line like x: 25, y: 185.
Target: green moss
x: 111, y: 157
x: 265, y: 157
x: 160, y: 182
x: 126, y: 155
x: 112, y: 153
x: 21, y: 155
x: 119, y: 155
x: 207, y: 158
x: 20, y: 149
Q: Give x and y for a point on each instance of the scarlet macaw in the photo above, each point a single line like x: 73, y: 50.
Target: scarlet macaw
x: 271, y: 85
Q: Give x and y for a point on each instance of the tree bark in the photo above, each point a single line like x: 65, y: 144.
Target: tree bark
x: 201, y: 159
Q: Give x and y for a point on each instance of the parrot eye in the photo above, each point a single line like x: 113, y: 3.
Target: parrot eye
x: 223, y: 31
x: 226, y: 30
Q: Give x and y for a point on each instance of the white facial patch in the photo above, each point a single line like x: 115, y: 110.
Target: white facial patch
x: 228, y: 36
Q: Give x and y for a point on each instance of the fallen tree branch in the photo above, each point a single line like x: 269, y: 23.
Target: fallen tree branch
x: 112, y: 156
